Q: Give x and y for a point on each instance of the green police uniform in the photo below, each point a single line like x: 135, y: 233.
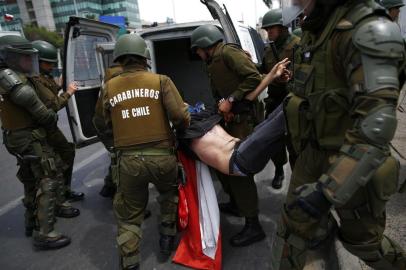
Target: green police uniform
x: 285, y: 45
x: 138, y: 104
x: 48, y: 92
x: 232, y: 73
x: 341, y: 117
x: 25, y: 120
x: 105, y: 134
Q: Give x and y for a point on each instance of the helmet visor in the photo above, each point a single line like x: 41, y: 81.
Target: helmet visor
x: 24, y: 61
x: 291, y: 9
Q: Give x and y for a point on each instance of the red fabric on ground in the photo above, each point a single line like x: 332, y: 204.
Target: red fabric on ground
x: 189, y: 251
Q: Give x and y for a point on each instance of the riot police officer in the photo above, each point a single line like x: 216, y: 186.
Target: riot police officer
x: 284, y: 43
x: 48, y: 91
x: 232, y: 75
x: 25, y: 122
x: 138, y: 105
x: 341, y: 115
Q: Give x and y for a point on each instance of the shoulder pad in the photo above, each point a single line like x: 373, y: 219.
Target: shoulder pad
x: 362, y: 10
x: 9, y: 79
x: 379, y: 38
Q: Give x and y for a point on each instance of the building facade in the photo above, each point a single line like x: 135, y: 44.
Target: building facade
x: 10, y: 7
x: 53, y: 14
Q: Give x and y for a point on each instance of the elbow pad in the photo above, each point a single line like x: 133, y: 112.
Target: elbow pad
x: 379, y: 126
x: 353, y: 169
x: 27, y: 98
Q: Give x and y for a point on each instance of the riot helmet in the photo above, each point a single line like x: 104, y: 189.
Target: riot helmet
x: 46, y: 51
x: 271, y: 18
x: 131, y: 44
x: 18, y: 54
x: 205, y: 36
x: 388, y: 4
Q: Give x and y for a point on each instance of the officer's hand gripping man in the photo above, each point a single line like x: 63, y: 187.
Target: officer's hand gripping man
x: 341, y: 118
x: 25, y: 120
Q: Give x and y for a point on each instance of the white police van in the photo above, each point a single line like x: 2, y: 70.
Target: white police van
x: 88, y: 52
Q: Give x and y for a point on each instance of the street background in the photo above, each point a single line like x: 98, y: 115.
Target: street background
x: 93, y: 232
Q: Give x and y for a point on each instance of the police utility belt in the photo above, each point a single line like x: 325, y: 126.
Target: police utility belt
x: 148, y: 151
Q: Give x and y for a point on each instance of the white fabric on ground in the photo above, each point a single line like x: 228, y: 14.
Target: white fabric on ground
x: 209, y: 214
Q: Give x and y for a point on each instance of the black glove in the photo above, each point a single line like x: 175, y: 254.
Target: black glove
x: 311, y: 199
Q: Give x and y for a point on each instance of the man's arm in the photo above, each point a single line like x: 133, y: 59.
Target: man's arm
x: 106, y: 107
x: 238, y: 62
x: 22, y: 94
x: 175, y: 107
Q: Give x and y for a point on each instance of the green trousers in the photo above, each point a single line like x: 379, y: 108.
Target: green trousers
x: 242, y: 190
x: 105, y: 136
x: 66, y: 151
x: 38, y: 172
x: 134, y: 173
x: 362, y: 218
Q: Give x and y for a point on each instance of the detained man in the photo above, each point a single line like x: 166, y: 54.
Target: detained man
x: 218, y: 149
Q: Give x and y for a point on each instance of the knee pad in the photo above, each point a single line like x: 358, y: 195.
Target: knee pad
x: 384, y: 255
x: 129, y: 239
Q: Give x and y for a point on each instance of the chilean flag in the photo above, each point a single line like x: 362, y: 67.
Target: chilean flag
x: 200, y: 245
x: 8, y: 17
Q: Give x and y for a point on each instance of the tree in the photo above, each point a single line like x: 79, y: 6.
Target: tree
x: 34, y: 33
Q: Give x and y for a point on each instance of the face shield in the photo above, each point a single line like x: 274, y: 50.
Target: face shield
x: 22, y: 60
x: 291, y: 9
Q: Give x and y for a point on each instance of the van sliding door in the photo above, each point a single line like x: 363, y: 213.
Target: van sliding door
x: 81, y: 37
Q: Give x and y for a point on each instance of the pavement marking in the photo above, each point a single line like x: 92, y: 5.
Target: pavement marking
x: 89, y: 159
x: 14, y: 203
x: 11, y: 205
x: 94, y: 182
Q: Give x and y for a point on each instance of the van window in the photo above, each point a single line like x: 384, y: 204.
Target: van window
x: 85, y: 66
x: 107, y: 59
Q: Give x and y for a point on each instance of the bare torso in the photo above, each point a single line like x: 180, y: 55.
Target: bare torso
x: 215, y: 148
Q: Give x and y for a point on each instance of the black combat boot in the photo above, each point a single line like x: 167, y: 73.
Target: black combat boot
x: 67, y: 212
x: 166, y: 243
x: 278, y: 178
x: 73, y: 196
x: 251, y: 233
x: 50, y: 242
x: 229, y: 208
x: 107, y: 191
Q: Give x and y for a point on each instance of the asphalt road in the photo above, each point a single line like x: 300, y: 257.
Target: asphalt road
x: 93, y: 232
